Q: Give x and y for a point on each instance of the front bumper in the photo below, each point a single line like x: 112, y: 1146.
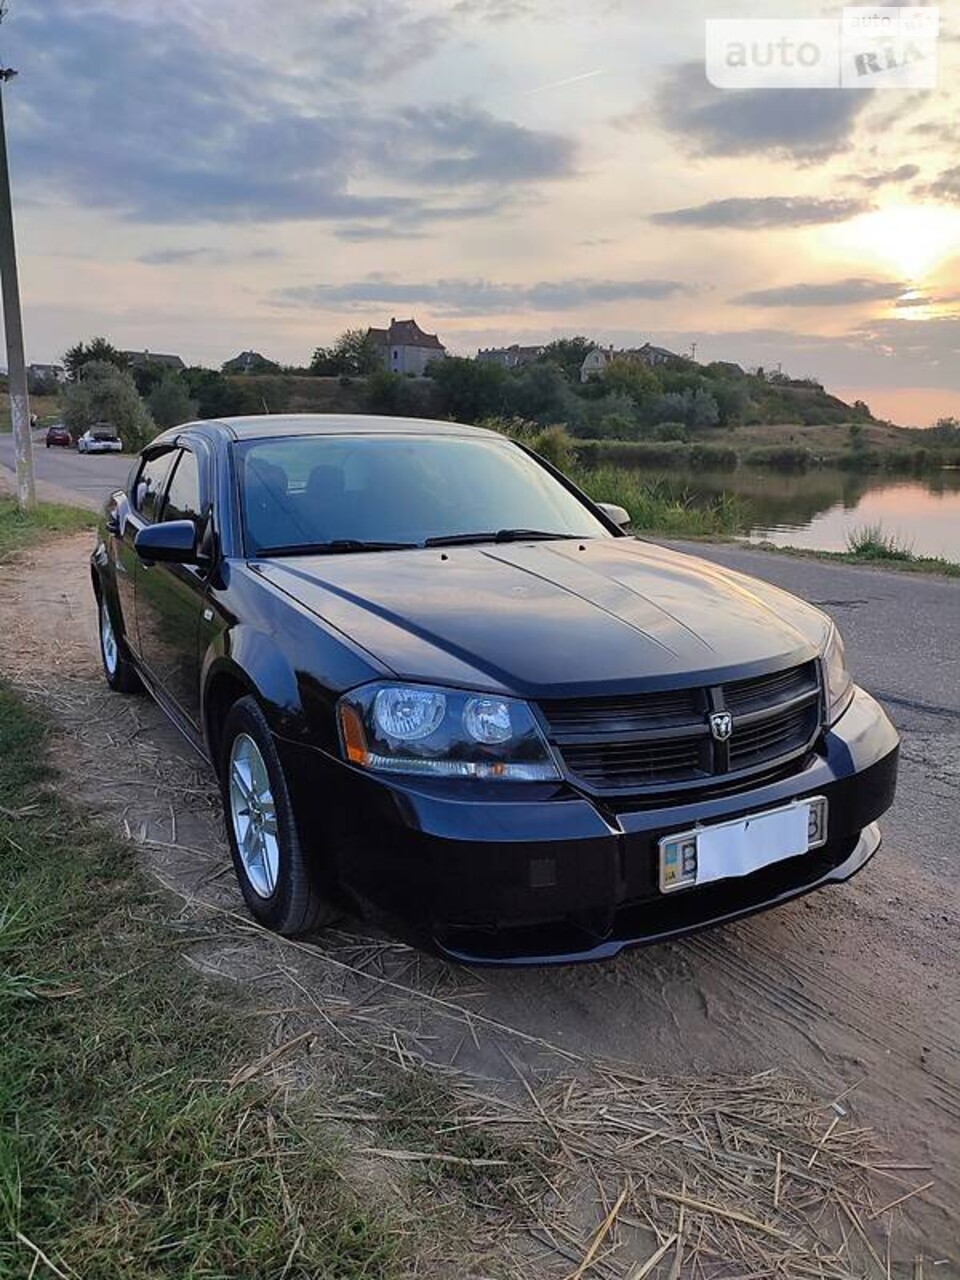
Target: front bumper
x: 540, y: 874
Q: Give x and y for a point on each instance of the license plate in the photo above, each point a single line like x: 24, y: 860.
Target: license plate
x: 727, y: 849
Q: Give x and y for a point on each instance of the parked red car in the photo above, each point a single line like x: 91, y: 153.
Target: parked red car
x: 59, y: 435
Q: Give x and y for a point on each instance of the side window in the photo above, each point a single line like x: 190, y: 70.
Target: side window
x: 150, y: 481
x: 183, y: 492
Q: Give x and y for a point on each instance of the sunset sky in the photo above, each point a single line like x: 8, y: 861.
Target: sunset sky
x: 201, y: 177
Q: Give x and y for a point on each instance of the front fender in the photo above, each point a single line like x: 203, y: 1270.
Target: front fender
x: 251, y: 658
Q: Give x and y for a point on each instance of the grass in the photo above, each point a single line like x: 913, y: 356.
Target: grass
x: 662, y: 506
x: 872, y: 542
x: 20, y: 529
x: 47, y: 409
x: 864, y: 548
x: 125, y: 1153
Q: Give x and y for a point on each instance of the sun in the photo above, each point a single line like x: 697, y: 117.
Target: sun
x: 907, y: 239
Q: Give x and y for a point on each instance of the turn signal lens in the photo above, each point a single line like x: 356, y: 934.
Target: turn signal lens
x: 354, y: 739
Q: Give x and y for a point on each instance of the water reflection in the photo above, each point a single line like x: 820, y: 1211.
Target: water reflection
x: 819, y: 508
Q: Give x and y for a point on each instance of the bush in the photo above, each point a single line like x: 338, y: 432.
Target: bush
x: 556, y: 445
x: 671, y: 431
x: 872, y: 542
x: 170, y: 402
x: 108, y: 394
x: 782, y: 458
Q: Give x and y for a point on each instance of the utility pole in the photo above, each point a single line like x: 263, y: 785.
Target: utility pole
x: 12, y: 322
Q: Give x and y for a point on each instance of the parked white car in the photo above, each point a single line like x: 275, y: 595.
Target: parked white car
x: 101, y: 438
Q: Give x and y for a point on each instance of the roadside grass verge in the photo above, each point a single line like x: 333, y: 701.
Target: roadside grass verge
x: 662, y: 506
x: 125, y: 1151
x: 872, y: 545
x: 19, y: 529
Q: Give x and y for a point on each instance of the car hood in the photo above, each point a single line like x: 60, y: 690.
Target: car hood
x: 549, y: 618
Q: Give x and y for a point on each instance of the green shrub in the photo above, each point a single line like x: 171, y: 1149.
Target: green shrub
x: 872, y: 542
x: 779, y: 457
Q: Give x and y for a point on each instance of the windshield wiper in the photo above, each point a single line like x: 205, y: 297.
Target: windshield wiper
x: 499, y: 535
x: 339, y: 546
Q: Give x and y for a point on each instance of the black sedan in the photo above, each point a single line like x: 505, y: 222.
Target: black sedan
x: 439, y: 683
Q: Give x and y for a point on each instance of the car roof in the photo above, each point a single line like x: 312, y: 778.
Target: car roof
x: 270, y: 426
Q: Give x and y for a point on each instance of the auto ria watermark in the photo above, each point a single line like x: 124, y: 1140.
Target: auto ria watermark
x: 864, y: 47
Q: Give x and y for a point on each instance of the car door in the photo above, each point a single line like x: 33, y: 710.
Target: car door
x: 139, y: 509
x: 170, y: 596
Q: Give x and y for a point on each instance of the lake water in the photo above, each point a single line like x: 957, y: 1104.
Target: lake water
x: 819, y: 508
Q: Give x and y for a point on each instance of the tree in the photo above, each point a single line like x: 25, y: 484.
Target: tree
x: 569, y: 354
x: 170, y: 402
x: 633, y: 378
x: 540, y: 391
x: 217, y: 396
x: 98, y: 349
x: 394, y: 394
x: 45, y: 385
x: 108, y: 394
x: 469, y: 389
x: 354, y: 352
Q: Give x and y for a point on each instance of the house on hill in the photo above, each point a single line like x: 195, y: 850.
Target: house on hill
x: 405, y: 348
x: 597, y: 359
x: 46, y: 373
x: 512, y: 357
x: 140, y: 359
x: 595, y: 362
x: 249, y: 362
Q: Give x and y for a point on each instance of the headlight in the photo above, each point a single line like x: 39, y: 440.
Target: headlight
x: 446, y: 733
x: 836, y: 678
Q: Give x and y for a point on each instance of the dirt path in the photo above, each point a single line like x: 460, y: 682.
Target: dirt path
x: 855, y: 990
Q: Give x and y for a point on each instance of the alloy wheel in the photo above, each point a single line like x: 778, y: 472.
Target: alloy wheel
x: 108, y: 640
x: 253, y: 815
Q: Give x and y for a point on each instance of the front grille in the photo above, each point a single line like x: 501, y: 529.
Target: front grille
x: 664, y: 738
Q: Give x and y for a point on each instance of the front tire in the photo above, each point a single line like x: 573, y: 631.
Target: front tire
x: 119, y: 671
x: 269, y: 861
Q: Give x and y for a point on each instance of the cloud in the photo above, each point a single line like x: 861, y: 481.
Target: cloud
x: 946, y: 186
x: 459, y: 297
x: 204, y: 256
x: 496, y: 11
x: 181, y: 133
x: 802, y: 124
x: 837, y: 293
x: 903, y: 173
x: 748, y: 213
x: 941, y: 132
x: 452, y: 146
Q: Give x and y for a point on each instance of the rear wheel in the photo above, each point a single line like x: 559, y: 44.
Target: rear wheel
x: 267, y: 856
x: 121, y: 675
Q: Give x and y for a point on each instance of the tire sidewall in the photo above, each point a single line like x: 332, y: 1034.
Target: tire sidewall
x: 292, y: 891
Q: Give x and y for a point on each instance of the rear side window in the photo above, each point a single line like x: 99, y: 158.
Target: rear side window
x: 149, y: 486
x: 183, y: 493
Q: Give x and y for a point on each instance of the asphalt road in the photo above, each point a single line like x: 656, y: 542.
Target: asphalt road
x: 90, y: 477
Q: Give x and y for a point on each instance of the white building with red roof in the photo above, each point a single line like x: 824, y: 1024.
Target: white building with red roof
x: 405, y: 348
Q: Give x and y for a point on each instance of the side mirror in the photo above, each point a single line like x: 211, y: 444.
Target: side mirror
x: 171, y: 541
x: 617, y: 514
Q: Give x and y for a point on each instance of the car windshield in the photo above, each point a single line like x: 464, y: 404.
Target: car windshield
x: 355, y: 492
